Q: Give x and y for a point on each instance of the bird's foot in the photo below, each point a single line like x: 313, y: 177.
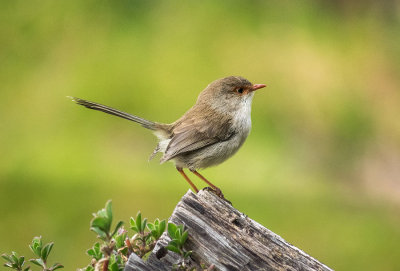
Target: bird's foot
x: 217, y: 192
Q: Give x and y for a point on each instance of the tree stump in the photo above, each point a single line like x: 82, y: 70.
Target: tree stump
x: 223, y: 237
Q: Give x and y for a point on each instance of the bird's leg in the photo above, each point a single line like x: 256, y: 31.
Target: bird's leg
x: 216, y: 189
x: 187, y: 179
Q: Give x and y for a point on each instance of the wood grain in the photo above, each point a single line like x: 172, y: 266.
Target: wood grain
x: 221, y: 235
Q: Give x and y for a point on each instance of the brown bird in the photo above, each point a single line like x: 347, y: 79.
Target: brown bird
x: 208, y: 133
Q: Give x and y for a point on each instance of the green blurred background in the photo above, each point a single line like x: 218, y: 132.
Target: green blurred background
x: 321, y: 167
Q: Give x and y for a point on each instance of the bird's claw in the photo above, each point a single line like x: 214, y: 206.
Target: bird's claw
x: 217, y: 192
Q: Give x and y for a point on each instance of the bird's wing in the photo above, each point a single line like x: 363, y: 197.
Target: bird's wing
x: 193, y: 133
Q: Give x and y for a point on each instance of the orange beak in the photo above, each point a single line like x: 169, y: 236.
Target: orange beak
x: 258, y: 86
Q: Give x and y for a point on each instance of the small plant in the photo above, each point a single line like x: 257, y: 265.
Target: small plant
x: 43, y: 252
x: 17, y: 262
x: 156, y: 229
x: 146, y: 234
x: 113, y: 254
x: 101, y: 223
x: 106, y: 256
x: 178, y: 238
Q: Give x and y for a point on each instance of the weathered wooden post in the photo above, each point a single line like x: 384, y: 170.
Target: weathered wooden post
x: 220, y: 235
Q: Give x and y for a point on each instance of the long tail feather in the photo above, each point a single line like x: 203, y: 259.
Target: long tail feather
x: 95, y: 106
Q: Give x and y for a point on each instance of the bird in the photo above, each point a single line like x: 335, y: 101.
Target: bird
x: 209, y: 133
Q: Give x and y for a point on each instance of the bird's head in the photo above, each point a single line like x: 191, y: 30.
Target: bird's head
x: 229, y: 93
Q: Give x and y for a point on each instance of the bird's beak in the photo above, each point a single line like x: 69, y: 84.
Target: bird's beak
x: 258, y: 86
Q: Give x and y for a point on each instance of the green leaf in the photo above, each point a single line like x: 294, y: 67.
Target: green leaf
x: 154, y: 234
x: 38, y: 262
x: 102, y: 219
x: 151, y: 227
x: 46, y: 251
x: 36, y: 245
x: 123, y: 251
x: 178, y: 234
x: 184, y: 237
x: 101, y: 223
x: 173, y: 249
x: 113, y: 267
x: 133, y: 225
x: 113, y: 263
x: 91, y: 252
x: 27, y: 268
x: 21, y: 261
x: 161, y: 227
x: 139, y: 222
x: 56, y: 266
x: 89, y: 268
x: 109, y: 210
x: 14, y: 257
x: 101, y: 234
x: 15, y: 254
x: 171, y: 230
x: 101, y: 213
x: 144, y: 224
x: 96, y: 247
x: 120, y: 239
x: 119, y: 225
x: 6, y: 257
x: 187, y: 254
x: 95, y: 252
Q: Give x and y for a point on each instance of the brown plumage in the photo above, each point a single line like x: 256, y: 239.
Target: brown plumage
x: 208, y: 133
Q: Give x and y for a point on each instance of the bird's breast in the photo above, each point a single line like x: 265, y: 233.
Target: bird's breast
x: 241, y: 120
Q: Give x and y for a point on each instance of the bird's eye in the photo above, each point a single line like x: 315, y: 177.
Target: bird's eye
x: 240, y: 90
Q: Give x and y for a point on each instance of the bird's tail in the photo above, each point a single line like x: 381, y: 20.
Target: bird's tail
x: 145, y: 123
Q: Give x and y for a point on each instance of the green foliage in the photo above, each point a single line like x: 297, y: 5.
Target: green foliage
x: 137, y: 224
x: 157, y: 228
x: 95, y: 252
x: 116, y: 263
x: 178, y: 238
x: 101, y: 223
x: 15, y: 261
x: 42, y: 252
x: 146, y: 234
x: 109, y: 254
x: 116, y: 247
x: 120, y: 238
x: 88, y: 268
